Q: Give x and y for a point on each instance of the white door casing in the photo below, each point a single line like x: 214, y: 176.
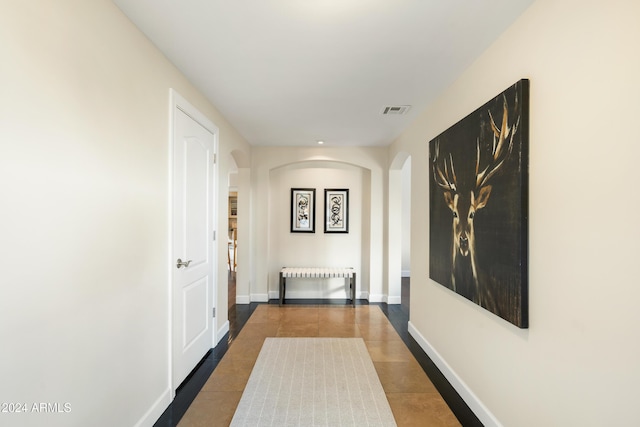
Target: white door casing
x: 193, y: 256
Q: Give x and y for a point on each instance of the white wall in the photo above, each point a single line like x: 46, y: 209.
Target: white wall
x: 275, y: 170
x: 406, y: 218
x: 577, y: 364
x: 84, y: 184
x: 396, y: 251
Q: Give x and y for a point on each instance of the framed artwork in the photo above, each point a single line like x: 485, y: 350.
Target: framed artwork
x: 303, y: 210
x: 336, y: 210
x: 478, y: 206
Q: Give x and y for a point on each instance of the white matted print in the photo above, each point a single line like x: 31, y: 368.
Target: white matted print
x: 303, y: 210
x: 336, y: 210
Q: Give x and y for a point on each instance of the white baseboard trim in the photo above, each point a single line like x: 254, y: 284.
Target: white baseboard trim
x: 377, y: 298
x: 156, y: 410
x: 309, y: 295
x: 394, y: 300
x: 221, y: 332
x: 243, y: 299
x: 305, y: 295
x: 478, y: 408
x: 260, y: 297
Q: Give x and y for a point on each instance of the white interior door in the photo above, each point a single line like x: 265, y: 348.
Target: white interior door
x: 193, y: 264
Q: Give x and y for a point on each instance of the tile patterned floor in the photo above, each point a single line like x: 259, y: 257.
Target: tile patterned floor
x: 413, y: 398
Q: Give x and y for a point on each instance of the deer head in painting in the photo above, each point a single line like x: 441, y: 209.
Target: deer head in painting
x: 466, y: 197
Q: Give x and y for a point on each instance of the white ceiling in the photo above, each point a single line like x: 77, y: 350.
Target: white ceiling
x: 292, y: 72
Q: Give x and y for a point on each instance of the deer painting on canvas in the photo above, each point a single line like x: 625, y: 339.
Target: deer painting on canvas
x: 478, y: 205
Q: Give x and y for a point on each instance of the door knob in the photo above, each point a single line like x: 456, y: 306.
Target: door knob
x: 181, y: 263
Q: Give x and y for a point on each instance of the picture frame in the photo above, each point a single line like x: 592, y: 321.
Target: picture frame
x: 303, y: 210
x: 478, y: 199
x: 336, y: 210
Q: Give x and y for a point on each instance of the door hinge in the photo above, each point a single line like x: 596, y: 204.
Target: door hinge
x: 214, y: 235
x: 214, y: 312
x: 215, y: 158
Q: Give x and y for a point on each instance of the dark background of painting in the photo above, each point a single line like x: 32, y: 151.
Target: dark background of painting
x: 500, y: 227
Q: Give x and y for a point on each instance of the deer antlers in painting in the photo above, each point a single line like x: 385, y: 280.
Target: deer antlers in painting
x: 465, y: 197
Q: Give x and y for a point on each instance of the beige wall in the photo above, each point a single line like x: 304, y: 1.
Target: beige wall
x: 84, y: 309
x: 577, y: 364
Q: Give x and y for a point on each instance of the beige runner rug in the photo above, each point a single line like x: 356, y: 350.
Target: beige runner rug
x: 313, y: 382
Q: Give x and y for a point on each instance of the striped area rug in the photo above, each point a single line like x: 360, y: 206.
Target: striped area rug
x: 313, y: 382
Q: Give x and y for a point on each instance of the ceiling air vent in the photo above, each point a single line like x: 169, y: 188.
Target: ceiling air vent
x: 395, y: 109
